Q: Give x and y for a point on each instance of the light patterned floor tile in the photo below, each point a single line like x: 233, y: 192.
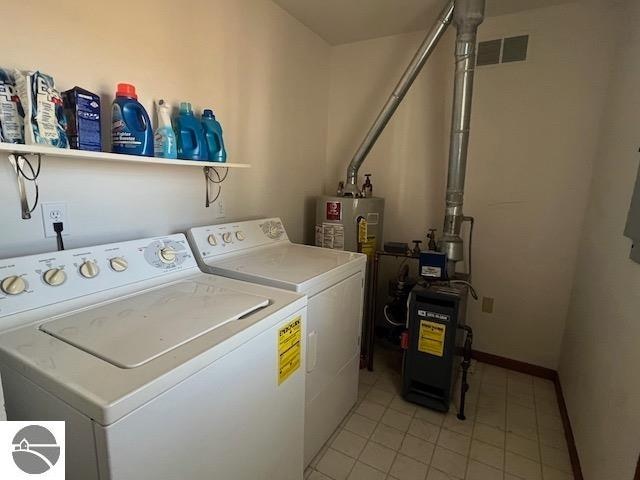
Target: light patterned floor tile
x: 487, y: 454
x: 449, y: 462
x: 349, y: 443
x: 523, y: 429
x: 550, y: 422
x: 381, y: 397
x: 368, y: 377
x: 417, y: 448
x: 431, y: 416
x: 335, y: 464
x: 424, y: 430
x: 377, y: 456
x: 555, y: 458
x: 489, y: 434
x: 390, y: 383
x: 387, y: 436
x: 549, y: 473
x: 371, y: 410
x: 552, y: 438
x: 395, y: 419
x: 464, y: 427
x: 523, y: 446
x: 495, y: 418
x: 406, y: 468
x: 362, y: 471
x: 435, y: 474
x: 401, y: 405
x: 454, y: 441
x: 522, y: 467
x: 480, y: 471
x: 360, y: 425
x: 522, y: 400
x: 317, y: 476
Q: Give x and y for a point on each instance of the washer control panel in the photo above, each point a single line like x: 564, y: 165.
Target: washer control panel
x: 35, y: 281
x: 226, y: 238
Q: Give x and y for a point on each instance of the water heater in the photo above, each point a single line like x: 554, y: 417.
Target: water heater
x: 350, y: 223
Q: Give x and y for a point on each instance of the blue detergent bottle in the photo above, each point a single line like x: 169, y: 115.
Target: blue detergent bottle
x: 190, y: 135
x: 213, y: 134
x: 131, y: 130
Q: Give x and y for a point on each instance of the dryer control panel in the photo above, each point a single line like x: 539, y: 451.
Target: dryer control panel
x: 226, y: 238
x: 36, y: 281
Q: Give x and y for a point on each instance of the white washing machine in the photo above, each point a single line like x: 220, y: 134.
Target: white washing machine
x: 259, y: 251
x: 160, y: 371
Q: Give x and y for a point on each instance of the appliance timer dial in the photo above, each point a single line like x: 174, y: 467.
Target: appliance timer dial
x: 167, y: 255
x: 212, y: 240
x: 226, y: 237
x: 89, y: 269
x: 54, y: 277
x: 13, y: 285
x: 118, y: 264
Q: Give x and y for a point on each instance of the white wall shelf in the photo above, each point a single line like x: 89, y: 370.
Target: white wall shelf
x: 15, y: 149
x: 17, y: 154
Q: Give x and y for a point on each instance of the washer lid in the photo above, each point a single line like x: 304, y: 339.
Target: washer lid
x: 131, y: 332
x: 289, y: 262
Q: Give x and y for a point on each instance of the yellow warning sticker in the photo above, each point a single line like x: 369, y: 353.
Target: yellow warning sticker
x: 289, y: 349
x: 431, y: 339
x: 362, y: 230
x: 369, y: 247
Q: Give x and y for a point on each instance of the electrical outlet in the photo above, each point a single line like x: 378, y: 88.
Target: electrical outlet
x: 219, y: 208
x: 487, y: 304
x: 52, y: 213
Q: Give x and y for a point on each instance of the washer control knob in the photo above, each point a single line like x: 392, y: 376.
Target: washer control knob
x: 226, y: 237
x: 240, y: 235
x: 167, y: 255
x: 118, y: 264
x: 89, y: 269
x: 212, y: 240
x: 54, y: 277
x: 13, y: 285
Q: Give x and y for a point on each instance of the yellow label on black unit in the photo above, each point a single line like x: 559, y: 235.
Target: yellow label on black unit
x: 289, y: 349
x: 431, y: 339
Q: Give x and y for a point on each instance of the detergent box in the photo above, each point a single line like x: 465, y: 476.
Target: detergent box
x: 82, y: 111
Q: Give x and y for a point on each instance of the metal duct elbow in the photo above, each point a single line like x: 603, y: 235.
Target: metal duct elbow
x: 467, y: 16
x: 410, y: 74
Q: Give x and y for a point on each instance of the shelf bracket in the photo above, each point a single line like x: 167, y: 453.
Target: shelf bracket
x: 17, y: 162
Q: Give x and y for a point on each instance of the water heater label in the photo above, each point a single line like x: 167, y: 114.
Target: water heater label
x: 431, y: 339
x: 333, y: 211
x: 289, y: 349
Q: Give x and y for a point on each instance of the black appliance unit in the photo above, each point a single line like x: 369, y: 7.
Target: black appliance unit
x: 436, y: 336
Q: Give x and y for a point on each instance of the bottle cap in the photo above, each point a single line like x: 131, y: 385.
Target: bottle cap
x: 185, y: 107
x: 207, y: 112
x: 126, y: 90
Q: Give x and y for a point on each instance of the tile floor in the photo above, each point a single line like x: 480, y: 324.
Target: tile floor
x: 513, y: 431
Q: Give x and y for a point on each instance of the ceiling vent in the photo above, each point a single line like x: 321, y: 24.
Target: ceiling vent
x: 503, y: 50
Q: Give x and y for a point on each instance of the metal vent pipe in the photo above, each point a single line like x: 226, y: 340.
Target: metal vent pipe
x: 410, y: 74
x: 467, y: 16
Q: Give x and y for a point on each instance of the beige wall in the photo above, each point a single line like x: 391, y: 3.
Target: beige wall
x: 601, y: 350
x: 534, y: 131
x: 264, y: 73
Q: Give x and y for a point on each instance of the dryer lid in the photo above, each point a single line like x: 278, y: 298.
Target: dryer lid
x: 131, y: 332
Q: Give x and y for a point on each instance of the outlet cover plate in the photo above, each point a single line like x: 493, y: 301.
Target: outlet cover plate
x: 55, y: 212
x: 220, y: 208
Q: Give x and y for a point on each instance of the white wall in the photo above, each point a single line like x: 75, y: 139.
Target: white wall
x: 534, y: 131
x: 601, y: 349
x: 264, y: 73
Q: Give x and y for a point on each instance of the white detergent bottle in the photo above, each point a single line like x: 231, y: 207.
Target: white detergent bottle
x: 164, y: 144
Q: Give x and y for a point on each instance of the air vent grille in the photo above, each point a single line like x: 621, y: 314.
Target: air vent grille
x: 503, y: 50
